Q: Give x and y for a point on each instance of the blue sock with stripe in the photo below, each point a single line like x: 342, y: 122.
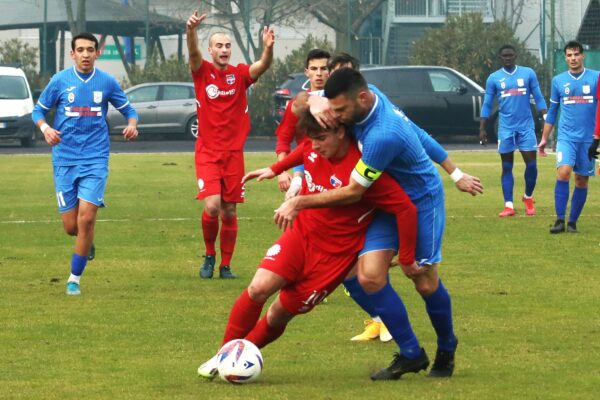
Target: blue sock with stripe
x: 561, y: 198
x: 359, y: 295
x: 531, y: 173
x: 577, y: 203
x: 439, y: 308
x: 392, y: 312
x: 508, y: 181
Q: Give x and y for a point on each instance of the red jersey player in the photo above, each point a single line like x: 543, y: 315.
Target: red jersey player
x: 317, y: 72
x: 223, y: 125
x: 319, y: 251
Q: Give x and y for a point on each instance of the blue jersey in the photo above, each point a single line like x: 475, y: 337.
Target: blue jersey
x: 390, y: 141
x: 513, y: 91
x: 576, y: 97
x: 81, y: 102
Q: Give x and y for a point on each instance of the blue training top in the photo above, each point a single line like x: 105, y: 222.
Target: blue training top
x: 576, y: 97
x: 513, y: 90
x: 81, y: 102
x: 390, y: 141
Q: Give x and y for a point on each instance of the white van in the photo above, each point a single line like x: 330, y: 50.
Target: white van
x: 16, y: 105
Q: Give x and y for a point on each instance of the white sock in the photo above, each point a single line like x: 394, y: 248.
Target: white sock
x: 74, y: 278
x: 376, y: 319
x: 509, y: 204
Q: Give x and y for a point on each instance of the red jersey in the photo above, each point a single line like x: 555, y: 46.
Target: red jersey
x: 341, y: 229
x: 223, y: 120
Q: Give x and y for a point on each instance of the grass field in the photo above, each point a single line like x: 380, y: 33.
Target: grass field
x: 525, y: 302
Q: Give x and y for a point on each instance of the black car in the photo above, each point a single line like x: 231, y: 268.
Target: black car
x: 294, y: 84
x: 440, y: 100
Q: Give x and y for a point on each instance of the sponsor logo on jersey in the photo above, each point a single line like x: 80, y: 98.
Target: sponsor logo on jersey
x: 71, y: 97
x: 369, y: 173
x: 97, y: 97
x: 586, y: 89
x: 335, y: 181
x: 273, y: 251
x: 230, y: 79
x: 212, y: 91
x: 311, y: 186
x: 200, y: 184
x: 521, y: 82
x: 312, y: 156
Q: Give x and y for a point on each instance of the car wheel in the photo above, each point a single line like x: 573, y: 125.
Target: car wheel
x: 192, y: 127
x: 29, y: 141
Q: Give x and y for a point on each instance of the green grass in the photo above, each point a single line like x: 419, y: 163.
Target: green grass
x: 525, y: 302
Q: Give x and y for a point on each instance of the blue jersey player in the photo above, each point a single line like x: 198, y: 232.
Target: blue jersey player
x: 80, y: 143
x: 574, y: 93
x: 391, y: 142
x: 512, y: 85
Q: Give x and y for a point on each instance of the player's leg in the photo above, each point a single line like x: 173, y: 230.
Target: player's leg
x: 270, y: 327
x: 584, y: 168
x: 527, y: 145
x: 232, y: 193
x: 565, y: 160
x: 508, y: 181
x: 227, y: 238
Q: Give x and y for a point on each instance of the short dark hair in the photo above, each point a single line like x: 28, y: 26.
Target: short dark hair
x: 345, y: 81
x: 316, y: 54
x: 308, y: 124
x: 86, y: 36
x: 573, y: 44
x: 507, y: 46
x: 343, y: 59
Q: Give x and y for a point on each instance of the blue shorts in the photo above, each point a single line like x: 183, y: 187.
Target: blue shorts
x: 382, y: 234
x: 510, y: 141
x: 85, y: 182
x: 575, y: 154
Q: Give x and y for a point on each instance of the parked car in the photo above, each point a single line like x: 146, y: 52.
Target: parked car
x: 162, y: 107
x: 440, y: 100
x: 16, y: 105
x: 294, y: 84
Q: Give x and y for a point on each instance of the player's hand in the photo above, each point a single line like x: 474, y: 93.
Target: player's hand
x: 320, y: 109
x: 295, y: 187
x: 268, y: 37
x: 482, y: 136
x: 259, y: 174
x: 284, y: 180
x: 593, y: 150
x: 130, y: 132
x: 412, y: 270
x: 195, y: 20
x: 470, y: 184
x: 286, y: 213
x: 542, y: 148
x: 51, y: 136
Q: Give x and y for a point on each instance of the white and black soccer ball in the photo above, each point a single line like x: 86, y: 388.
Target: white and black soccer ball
x: 239, y: 361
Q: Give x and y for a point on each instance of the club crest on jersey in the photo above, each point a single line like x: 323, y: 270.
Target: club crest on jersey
x: 503, y: 85
x: 567, y: 90
x: 230, y: 79
x: 586, y: 89
x: 97, y: 97
x: 334, y: 181
x: 71, y: 97
x: 521, y: 82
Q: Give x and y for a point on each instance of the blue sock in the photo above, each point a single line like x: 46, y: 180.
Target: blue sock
x: 392, y: 312
x: 577, y: 203
x: 561, y: 198
x: 78, y: 264
x: 439, y: 308
x: 508, y: 180
x: 531, y: 173
x: 359, y: 295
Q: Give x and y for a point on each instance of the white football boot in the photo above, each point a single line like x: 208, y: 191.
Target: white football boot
x: 209, y: 370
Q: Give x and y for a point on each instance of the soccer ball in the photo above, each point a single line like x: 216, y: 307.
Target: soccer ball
x: 239, y: 361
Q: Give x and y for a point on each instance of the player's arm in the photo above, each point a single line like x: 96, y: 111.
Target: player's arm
x: 119, y: 100
x: 538, y: 97
x: 44, y: 104
x: 550, y: 118
x: 593, y: 149
x: 285, y: 133
x: 387, y: 195
x: 486, y: 109
x: 259, y: 67
x: 291, y: 160
x: 195, y: 56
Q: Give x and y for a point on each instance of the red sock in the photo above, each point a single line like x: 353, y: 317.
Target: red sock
x: 242, y: 317
x: 228, y: 236
x: 210, y: 228
x: 262, y: 334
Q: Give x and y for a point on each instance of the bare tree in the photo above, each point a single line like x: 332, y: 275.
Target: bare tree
x: 511, y: 11
x: 76, y: 25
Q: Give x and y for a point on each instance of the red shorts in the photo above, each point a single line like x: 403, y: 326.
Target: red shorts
x: 312, y: 274
x: 220, y: 172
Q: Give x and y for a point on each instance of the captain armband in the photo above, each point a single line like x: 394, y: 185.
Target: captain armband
x: 364, y: 174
